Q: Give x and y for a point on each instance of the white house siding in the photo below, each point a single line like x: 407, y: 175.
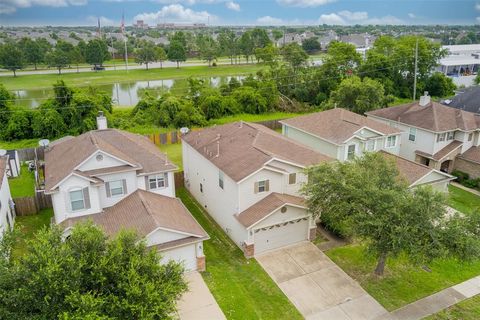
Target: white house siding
x: 131, y: 179
x: 322, y: 146
x: 162, y: 236
x: 463, y: 137
x: 107, y: 162
x: 5, y: 206
x: 246, y: 189
x: 186, y: 255
x: 221, y: 204
x: 167, y: 191
x: 301, y: 178
x: 61, y: 199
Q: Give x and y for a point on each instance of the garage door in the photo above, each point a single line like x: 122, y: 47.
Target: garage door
x: 185, y: 255
x: 280, y: 235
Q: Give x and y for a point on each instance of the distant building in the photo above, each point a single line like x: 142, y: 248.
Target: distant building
x: 140, y: 24
x: 467, y: 99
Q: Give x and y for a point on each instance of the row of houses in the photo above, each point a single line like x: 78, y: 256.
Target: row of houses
x: 246, y: 176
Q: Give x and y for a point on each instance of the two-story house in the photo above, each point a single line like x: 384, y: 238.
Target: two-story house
x: 7, y: 212
x: 248, y: 178
x: 121, y: 180
x: 345, y: 135
x: 435, y: 135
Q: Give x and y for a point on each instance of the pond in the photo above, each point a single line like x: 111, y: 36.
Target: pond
x: 124, y: 94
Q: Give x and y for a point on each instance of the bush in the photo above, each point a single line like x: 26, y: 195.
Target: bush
x: 214, y: 64
x: 461, y: 176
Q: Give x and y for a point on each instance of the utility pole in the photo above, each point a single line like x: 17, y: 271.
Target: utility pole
x: 415, y: 73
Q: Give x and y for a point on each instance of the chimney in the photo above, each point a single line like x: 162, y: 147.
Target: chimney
x: 425, y: 99
x: 101, y: 121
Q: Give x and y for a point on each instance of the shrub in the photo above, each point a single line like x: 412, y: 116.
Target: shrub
x: 461, y: 176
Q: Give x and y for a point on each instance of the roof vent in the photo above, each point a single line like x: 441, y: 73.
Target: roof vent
x: 425, y: 99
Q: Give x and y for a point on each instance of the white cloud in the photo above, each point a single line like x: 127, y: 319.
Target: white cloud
x: 270, y: 21
x: 331, y: 18
x: 412, y: 15
x: 304, y: 3
x: 232, y: 6
x: 478, y: 19
x: 477, y: 6
x: 104, y: 21
x: 10, y: 6
x: 175, y: 13
x: 354, y: 16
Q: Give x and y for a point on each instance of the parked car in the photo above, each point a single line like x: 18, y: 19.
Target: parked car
x: 97, y: 68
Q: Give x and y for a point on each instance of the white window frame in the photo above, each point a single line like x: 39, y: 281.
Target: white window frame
x: 116, y: 188
x: 389, y: 143
x: 82, y: 200
x: 292, y: 174
x: 441, y: 137
x: 354, y: 151
x: 159, y: 181
x: 470, y: 136
x: 262, y: 184
x: 412, y: 134
x: 372, y: 143
x: 450, y: 135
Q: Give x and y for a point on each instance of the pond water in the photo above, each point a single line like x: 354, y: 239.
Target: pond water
x: 123, y: 94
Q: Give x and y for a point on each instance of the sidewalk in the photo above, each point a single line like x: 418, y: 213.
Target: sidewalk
x: 438, y: 301
x: 458, y: 185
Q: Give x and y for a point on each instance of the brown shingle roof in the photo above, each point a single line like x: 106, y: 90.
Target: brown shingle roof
x: 61, y: 158
x: 143, y: 212
x: 246, y: 147
x: 267, y: 205
x: 472, y: 154
x: 445, y: 151
x: 434, y: 117
x: 337, y: 125
x: 3, y: 167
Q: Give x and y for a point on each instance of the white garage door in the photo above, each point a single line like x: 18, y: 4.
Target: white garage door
x: 280, y: 235
x: 185, y: 255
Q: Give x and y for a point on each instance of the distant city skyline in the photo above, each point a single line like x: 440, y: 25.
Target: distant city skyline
x: 238, y: 12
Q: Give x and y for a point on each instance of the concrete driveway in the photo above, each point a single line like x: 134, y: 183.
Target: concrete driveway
x: 198, y: 303
x: 317, y: 287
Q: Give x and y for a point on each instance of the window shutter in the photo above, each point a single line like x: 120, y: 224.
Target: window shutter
x: 255, y: 188
x: 107, y: 188
x: 68, y: 202
x: 86, y: 198
x: 147, y: 183
x: 124, y: 186
x: 267, y: 185
x: 166, y: 179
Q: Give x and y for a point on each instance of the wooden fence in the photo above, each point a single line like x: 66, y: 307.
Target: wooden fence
x: 28, y: 154
x: 27, y: 206
x: 179, y: 180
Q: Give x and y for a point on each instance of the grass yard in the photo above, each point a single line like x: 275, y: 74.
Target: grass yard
x: 174, y: 153
x: 241, y: 287
x: 466, y: 310
x: 19, y: 144
x: 23, y: 185
x: 39, y: 81
x: 403, y: 283
x: 27, y: 226
x: 462, y: 200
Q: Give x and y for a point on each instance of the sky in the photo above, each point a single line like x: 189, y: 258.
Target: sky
x: 238, y: 12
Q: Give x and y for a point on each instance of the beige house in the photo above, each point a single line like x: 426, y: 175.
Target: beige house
x: 345, y: 135
x: 435, y: 135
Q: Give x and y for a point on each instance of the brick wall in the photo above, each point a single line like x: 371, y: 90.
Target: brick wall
x: 248, y: 250
x: 312, y: 234
x: 472, y: 168
x: 201, y: 263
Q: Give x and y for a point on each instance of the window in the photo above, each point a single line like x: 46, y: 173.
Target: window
x: 201, y: 188
x: 370, y: 146
x: 116, y: 188
x: 450, y: 135
x: 76, y: 200
x: 351, y: 152
x: 441, y: 137
x: 158, y: 181
x: 412, y: 135
x: 292, y: 178
x: 391, y: 141
x: 220, y: 179
x: 470, y: 137
x: 262, y: 186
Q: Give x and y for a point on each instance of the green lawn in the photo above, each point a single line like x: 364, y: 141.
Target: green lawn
x: 174, y: 153
x: 27, y: 226
x: 241, y: 287
x: 23, y: 185
x: 402, y: 283
x: 19, y: 144
x: 466, y: 310
x: 462, y: 200
x: 39, y: 81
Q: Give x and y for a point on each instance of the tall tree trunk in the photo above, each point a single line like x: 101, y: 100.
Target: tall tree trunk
x: 35, y: 64
x: 59, y: 70
x: 14, y: 73
x: 146, y: 64
x: 178, y: 65
x: 77, y: 69
x: 382, y: 259
x: 161, y: 66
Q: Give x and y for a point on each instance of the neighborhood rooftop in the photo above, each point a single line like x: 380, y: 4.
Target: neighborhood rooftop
x: 241, y: 148
x: 432, y: 116
x: 62, y: 158
x: 337, y: 125
x: 144, y: 212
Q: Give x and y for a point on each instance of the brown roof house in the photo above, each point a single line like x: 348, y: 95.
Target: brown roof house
x: 435, y: 135
x: 345, y: 135
x: 248, y: 178
x: 7, y: 210
x: 121, y: 180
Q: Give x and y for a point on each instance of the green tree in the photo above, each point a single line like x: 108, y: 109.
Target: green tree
x: 11, y: 58
x: 367, y: 199
x: 228, y: 42
x: 48, y: 123
x: 294, y: 55
x: 77, y: 57
x: 161, y: 55
x: 250, y: 100
x: 311, y: 45
x: 268, y: 54
x: 177, y: 53
x: 358, y: 95
x: 208, y: 48
x: 18, y: 126
x: 57, y: 58
x: 146, y: 53
x: 32, y: 51
x: 96, y: 52
x: 439, y: 85
x: 6, y: 101
x: 246, y: 44
x: 88, y: 277
x: 277, y: 35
